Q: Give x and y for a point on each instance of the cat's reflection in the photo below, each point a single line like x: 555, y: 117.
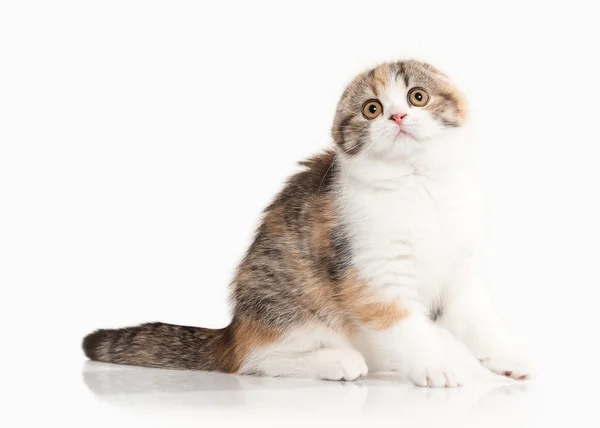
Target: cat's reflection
x: 123, y: 385
x: 376, y: 394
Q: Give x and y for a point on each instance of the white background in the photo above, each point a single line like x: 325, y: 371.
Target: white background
x: 140, y: 140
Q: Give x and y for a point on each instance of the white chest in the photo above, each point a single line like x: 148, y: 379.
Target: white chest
x: 412, y: 231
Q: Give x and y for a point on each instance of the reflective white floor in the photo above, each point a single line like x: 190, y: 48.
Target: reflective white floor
x: 165, y: 397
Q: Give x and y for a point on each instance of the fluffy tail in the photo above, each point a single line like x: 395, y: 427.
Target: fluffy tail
x: 159, y: 345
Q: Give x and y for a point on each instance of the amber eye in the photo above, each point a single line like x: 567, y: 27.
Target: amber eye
x: 418, y: 97
x: 372, y: 109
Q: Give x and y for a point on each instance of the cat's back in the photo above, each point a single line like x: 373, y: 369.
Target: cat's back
x: 299, y: 253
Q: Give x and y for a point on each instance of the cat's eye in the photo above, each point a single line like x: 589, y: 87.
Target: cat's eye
x: 418, y: 97
x: 372, y: 109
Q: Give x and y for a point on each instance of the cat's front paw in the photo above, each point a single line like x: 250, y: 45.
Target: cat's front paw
x: 435, y: 376
x: 514, y: 365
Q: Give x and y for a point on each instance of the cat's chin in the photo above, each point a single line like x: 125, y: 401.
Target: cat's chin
x: 409, y: 146
x: 401, y: 148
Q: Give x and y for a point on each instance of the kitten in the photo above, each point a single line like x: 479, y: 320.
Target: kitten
x: 360, y: 259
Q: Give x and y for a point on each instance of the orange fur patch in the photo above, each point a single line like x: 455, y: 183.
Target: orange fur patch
x: 381, y: 76
x: 244, y: 335
x: 361, y: 304
x: 462, y: 106
x: 461, y: 101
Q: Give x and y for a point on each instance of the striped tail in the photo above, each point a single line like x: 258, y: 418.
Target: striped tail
x: 159, y: 345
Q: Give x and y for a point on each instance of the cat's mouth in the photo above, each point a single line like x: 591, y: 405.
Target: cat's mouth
x: 403, y: 133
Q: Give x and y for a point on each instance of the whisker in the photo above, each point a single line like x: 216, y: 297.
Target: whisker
x: 335, y: 157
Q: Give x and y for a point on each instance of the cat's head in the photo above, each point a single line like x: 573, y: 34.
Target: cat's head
x: 395, y: 109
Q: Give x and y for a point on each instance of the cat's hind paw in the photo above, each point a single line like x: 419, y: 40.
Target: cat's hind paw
x: 339, y: 364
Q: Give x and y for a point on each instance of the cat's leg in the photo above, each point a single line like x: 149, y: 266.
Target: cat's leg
x: 311, y: 351
x: 470, y: 315
x: 411, y: 346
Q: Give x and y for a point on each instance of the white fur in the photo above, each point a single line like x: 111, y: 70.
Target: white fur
x: 409, y: 205
x: 314, y: 351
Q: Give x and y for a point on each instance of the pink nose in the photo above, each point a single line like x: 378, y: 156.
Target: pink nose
x: 398, y: 117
